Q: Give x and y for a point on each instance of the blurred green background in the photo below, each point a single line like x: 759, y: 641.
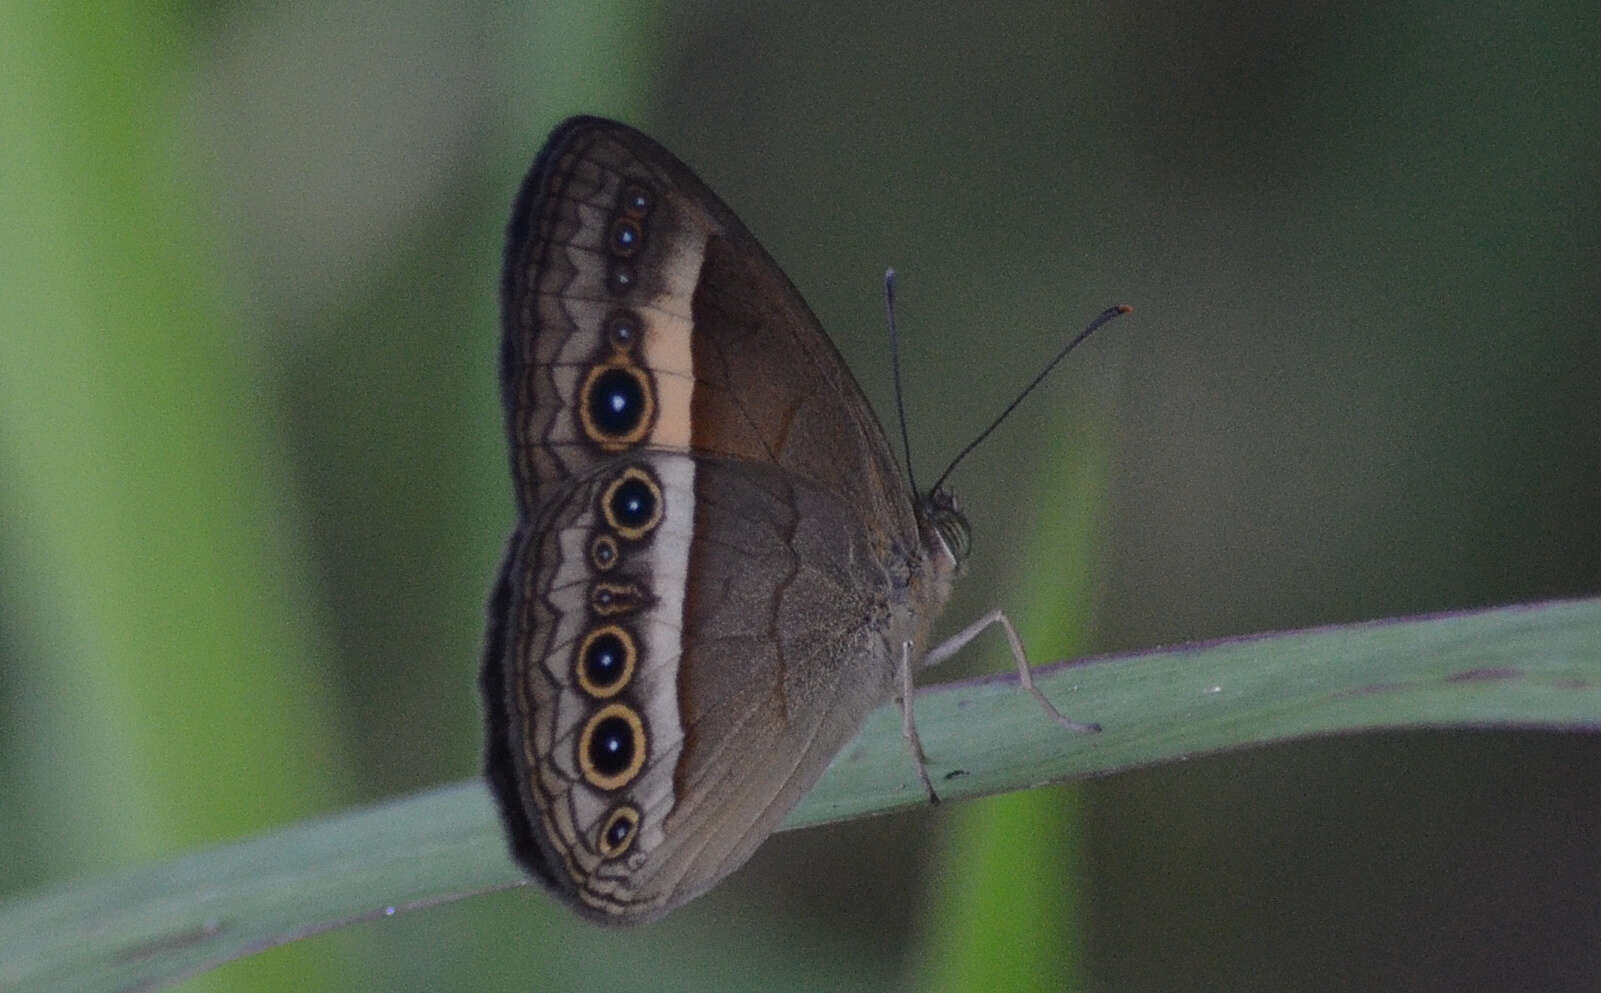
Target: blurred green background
x: 252, y: 487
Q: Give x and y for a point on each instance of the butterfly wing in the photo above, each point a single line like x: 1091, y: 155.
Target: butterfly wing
x: 690, y: 621
x: 749, y: 619
x: 742, y: 366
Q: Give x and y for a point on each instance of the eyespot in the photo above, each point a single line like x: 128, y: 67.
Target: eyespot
x: 617, y: 831
x: 616, y: 405
x: 636, y: 200
x: 622, y: 330
x: 625, y: 238
x: 611, y: 599
x: 605, y: 660
x: 621, y: 277
x: 632, y: 504
x: 603, y: 552
x: 611, y: 747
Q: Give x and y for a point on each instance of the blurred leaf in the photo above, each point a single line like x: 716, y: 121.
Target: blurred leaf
x: 1005, y: 910
x: 1005, y: 913
x: 160, y: 592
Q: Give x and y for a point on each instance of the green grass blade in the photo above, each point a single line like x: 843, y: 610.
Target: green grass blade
x: 1513, y: 667
x: 1005, y: 912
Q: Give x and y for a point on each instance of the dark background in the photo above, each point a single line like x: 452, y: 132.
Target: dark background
x: 1361, y: 380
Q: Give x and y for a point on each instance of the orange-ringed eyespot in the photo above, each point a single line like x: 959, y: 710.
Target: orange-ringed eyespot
x: 616, y: 405
x: 611, y: 747
x: 632, y: 504
x: 618, y: 830
x: 605, y: 663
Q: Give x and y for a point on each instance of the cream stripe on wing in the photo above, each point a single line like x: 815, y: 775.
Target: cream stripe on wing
x: 669, y: 352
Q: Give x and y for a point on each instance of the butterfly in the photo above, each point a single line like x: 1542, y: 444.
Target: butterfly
x: 717, y: 571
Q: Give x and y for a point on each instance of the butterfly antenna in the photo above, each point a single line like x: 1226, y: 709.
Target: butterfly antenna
x: 895, y: 367
x: 1105, y: 316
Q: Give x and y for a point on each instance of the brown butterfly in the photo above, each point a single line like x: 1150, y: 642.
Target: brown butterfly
x: 717, y: 570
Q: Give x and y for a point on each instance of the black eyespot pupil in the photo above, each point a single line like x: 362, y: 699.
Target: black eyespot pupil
x: 616, y: 402
x: 625, y: 235
x: 633, y: 503
x: 611, y: 746
x: 619, y: 831
x: 605, y: 659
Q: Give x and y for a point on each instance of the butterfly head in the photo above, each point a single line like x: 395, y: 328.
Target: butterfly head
x: 950, y: 531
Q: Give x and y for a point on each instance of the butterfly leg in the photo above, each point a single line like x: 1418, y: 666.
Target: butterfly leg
x: 1025, y: 672
x: 909, y: 723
